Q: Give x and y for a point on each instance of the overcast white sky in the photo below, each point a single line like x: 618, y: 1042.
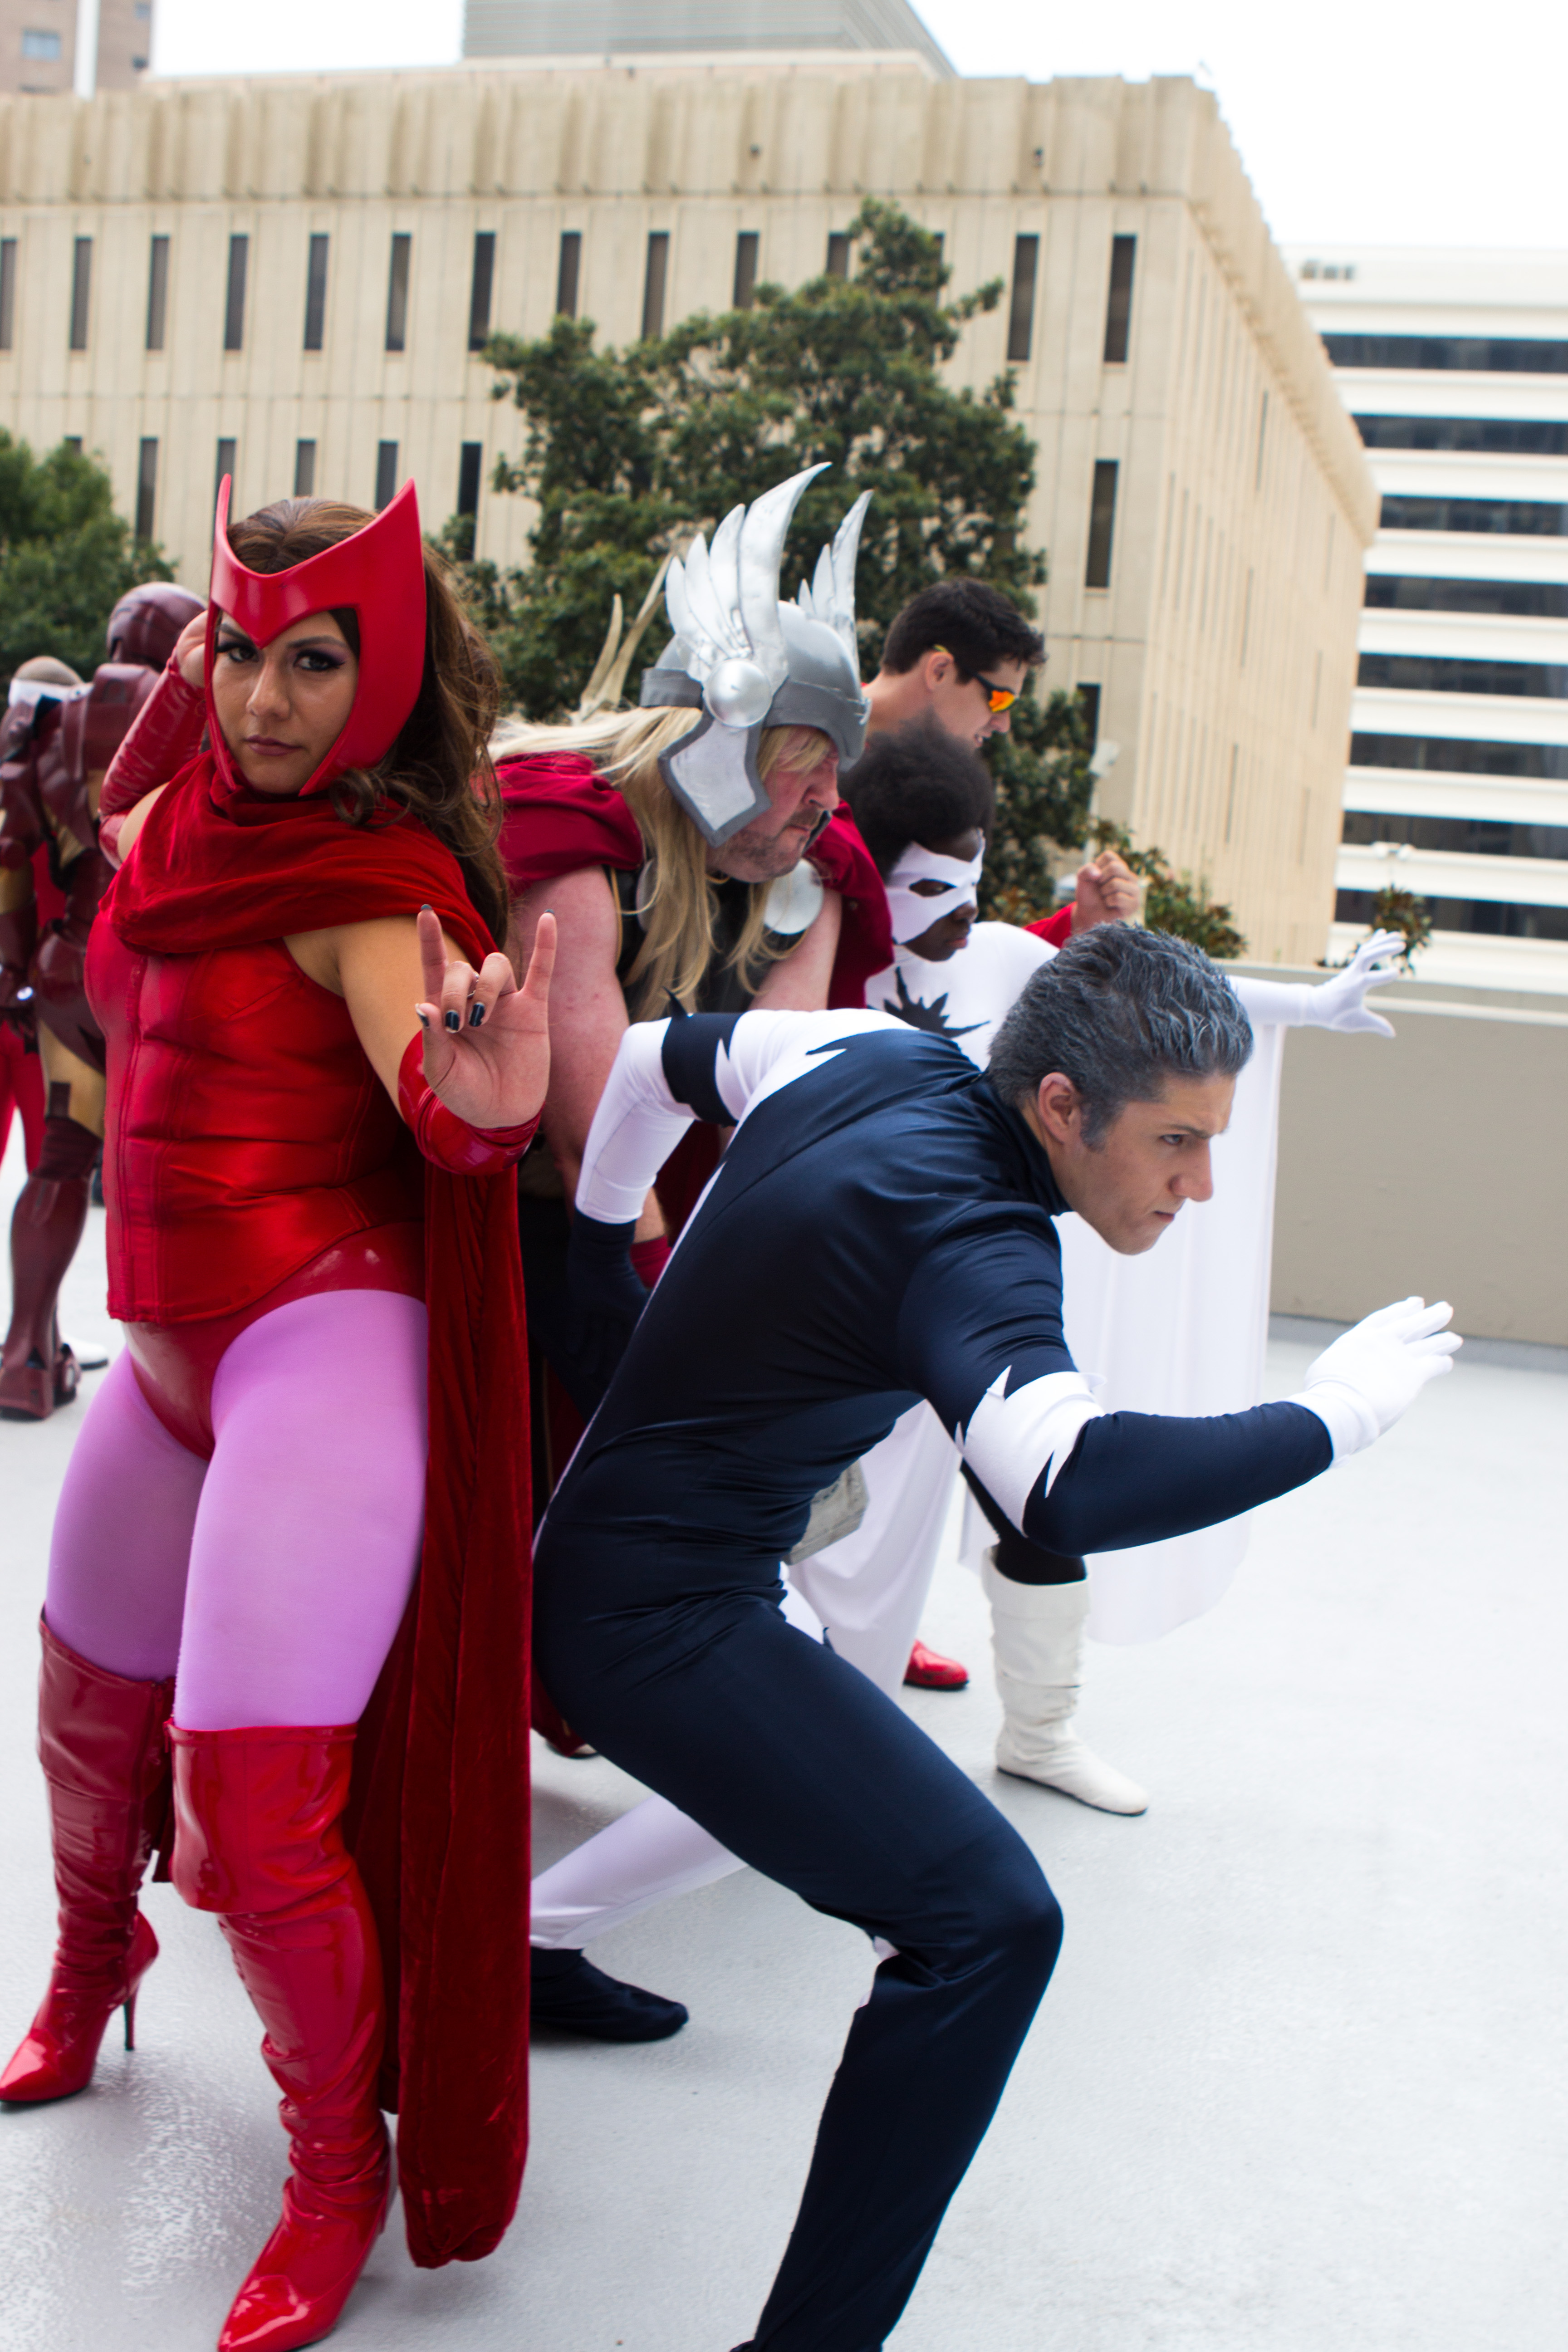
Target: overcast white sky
x: 1359, y: 122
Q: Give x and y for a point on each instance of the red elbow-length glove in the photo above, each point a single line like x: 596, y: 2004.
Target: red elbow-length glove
x: 447, y: 1140
x: 166, y: 732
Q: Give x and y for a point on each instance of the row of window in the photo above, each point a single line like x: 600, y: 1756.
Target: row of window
x: 1476, y: 836
x: 1463, y: 755
x: 470, y: 470
x: 481, y: 288
x: 1484, y: 918
x: 1475, y: 354
x: 1442, y: 674
x: 1514, y: 517
x: 1520, y: 600
x: 1502, y: 436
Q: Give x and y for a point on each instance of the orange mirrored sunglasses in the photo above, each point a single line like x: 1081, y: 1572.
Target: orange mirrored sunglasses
x: 1003, y: 698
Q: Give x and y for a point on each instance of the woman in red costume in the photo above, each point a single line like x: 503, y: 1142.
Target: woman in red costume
x: 296, y: 970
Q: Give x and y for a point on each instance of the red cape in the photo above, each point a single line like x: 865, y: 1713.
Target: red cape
x: 439, y: 1816
x: 561, y: 815
x: 1055, y: 930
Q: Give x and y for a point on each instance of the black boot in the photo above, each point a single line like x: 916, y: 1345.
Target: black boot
x: 571, y: 1993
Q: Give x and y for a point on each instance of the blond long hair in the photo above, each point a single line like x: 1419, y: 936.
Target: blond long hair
x: 679, y: 910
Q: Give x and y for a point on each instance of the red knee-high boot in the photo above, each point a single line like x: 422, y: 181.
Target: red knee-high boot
x: 100, y: 1741
x: 37, y: 1373
x: 259, y: 1840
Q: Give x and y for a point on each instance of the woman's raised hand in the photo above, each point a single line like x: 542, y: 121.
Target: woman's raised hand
x: 487, y: 1041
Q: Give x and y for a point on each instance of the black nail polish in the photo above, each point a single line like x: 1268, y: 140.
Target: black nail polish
x: 475, y: 1015
x: 424, y: 1021
x: 454, y: 1021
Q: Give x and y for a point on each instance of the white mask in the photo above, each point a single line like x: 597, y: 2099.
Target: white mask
x: 914, y: 911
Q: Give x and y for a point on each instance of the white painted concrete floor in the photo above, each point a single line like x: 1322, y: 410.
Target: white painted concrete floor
x: 1298, y: 2085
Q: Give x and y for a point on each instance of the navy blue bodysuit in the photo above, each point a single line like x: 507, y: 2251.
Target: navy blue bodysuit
x: 879, y: 1231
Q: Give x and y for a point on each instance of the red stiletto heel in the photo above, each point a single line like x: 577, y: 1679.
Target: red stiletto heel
x: 101, y: 1739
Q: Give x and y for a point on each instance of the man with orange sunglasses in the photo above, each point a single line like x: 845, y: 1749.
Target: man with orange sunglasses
x: 961, y: 653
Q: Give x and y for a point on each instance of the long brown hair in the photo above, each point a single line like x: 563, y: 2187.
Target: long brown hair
x: 439, y: 767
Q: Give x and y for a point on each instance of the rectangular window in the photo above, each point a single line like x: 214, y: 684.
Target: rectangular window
x: 654, y: 276
x: 480, y: 288
x: 1262, y: 441
x: 566, y: 273
x: 838, y: 253
x: 1021, y: 317
x: 1119, y: 301
x: 316, y: 294
x: 304, y: 470
x: 398, y: 298
x: 146, y: 488
x: 233, y: 302
x: 226, y: 454
x: 41, y: 45
x: 746, y: 246
x: 385, y: 474
x: 1102, y: 524
x: 81, y: 294
x: 1088, y: 703
x: 8, y: 293
x: 73, y: 443
x: 471, y: 465
x: 157, y: 293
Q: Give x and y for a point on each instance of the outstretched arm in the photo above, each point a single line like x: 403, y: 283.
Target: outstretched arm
x: 1337, y: 1003
x: 981, y: 1326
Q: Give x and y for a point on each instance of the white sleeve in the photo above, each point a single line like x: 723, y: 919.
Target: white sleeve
x: 1273, y: 1004
x: 637, y: 1126
x: 667, y: 1074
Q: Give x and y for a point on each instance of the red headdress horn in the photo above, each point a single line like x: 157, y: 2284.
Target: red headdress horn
x: 379, y: 573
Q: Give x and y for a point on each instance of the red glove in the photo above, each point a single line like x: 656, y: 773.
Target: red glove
x: 166, y: 732
x: 447, y: 1140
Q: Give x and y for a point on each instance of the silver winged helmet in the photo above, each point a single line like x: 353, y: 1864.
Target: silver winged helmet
x: 748, y: 661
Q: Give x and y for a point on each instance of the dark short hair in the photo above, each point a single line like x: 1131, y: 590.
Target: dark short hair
x: 916, y: 783
x: 1118, y: 1012
x: 976, y: 625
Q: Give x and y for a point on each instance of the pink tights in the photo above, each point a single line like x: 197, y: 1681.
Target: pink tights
x: 272, y: 1578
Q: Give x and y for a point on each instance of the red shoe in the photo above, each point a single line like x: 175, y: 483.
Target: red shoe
x: 929, y: 1670
x: 260, y: 1842
x: 101, y: 1739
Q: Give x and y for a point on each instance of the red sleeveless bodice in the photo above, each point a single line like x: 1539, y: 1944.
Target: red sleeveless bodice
x: 247, y: 1132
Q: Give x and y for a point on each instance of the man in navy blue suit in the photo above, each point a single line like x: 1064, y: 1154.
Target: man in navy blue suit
x: 881, y: 1230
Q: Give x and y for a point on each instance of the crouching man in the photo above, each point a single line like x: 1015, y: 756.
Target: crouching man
x: 881, y: 1230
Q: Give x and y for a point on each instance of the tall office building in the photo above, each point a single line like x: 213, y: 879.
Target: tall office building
x: 293, y: 281
x: 1455, y: 366
x: 50, y: 46
x: 651, y: 28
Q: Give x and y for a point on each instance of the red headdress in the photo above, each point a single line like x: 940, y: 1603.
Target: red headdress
x: 380, y: 573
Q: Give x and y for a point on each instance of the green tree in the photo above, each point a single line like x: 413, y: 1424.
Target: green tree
x: 66, y: 557
x: 626, y: 452
x: 1043, y: 788
x: 1174, y: 902
x: 1406, y: 912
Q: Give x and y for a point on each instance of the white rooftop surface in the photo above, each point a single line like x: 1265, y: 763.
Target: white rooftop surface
x: 1298, y: 2082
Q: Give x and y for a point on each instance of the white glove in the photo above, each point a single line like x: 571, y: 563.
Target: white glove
x: 1336, y: 1003
x: 1360, y: 1384
x: 1340, y: 1002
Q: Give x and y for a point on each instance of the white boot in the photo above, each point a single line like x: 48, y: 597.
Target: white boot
x: 1036, y: 1631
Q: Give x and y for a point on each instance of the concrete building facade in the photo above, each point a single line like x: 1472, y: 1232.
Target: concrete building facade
x: 1455, y: 368
x: 294, y: 280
